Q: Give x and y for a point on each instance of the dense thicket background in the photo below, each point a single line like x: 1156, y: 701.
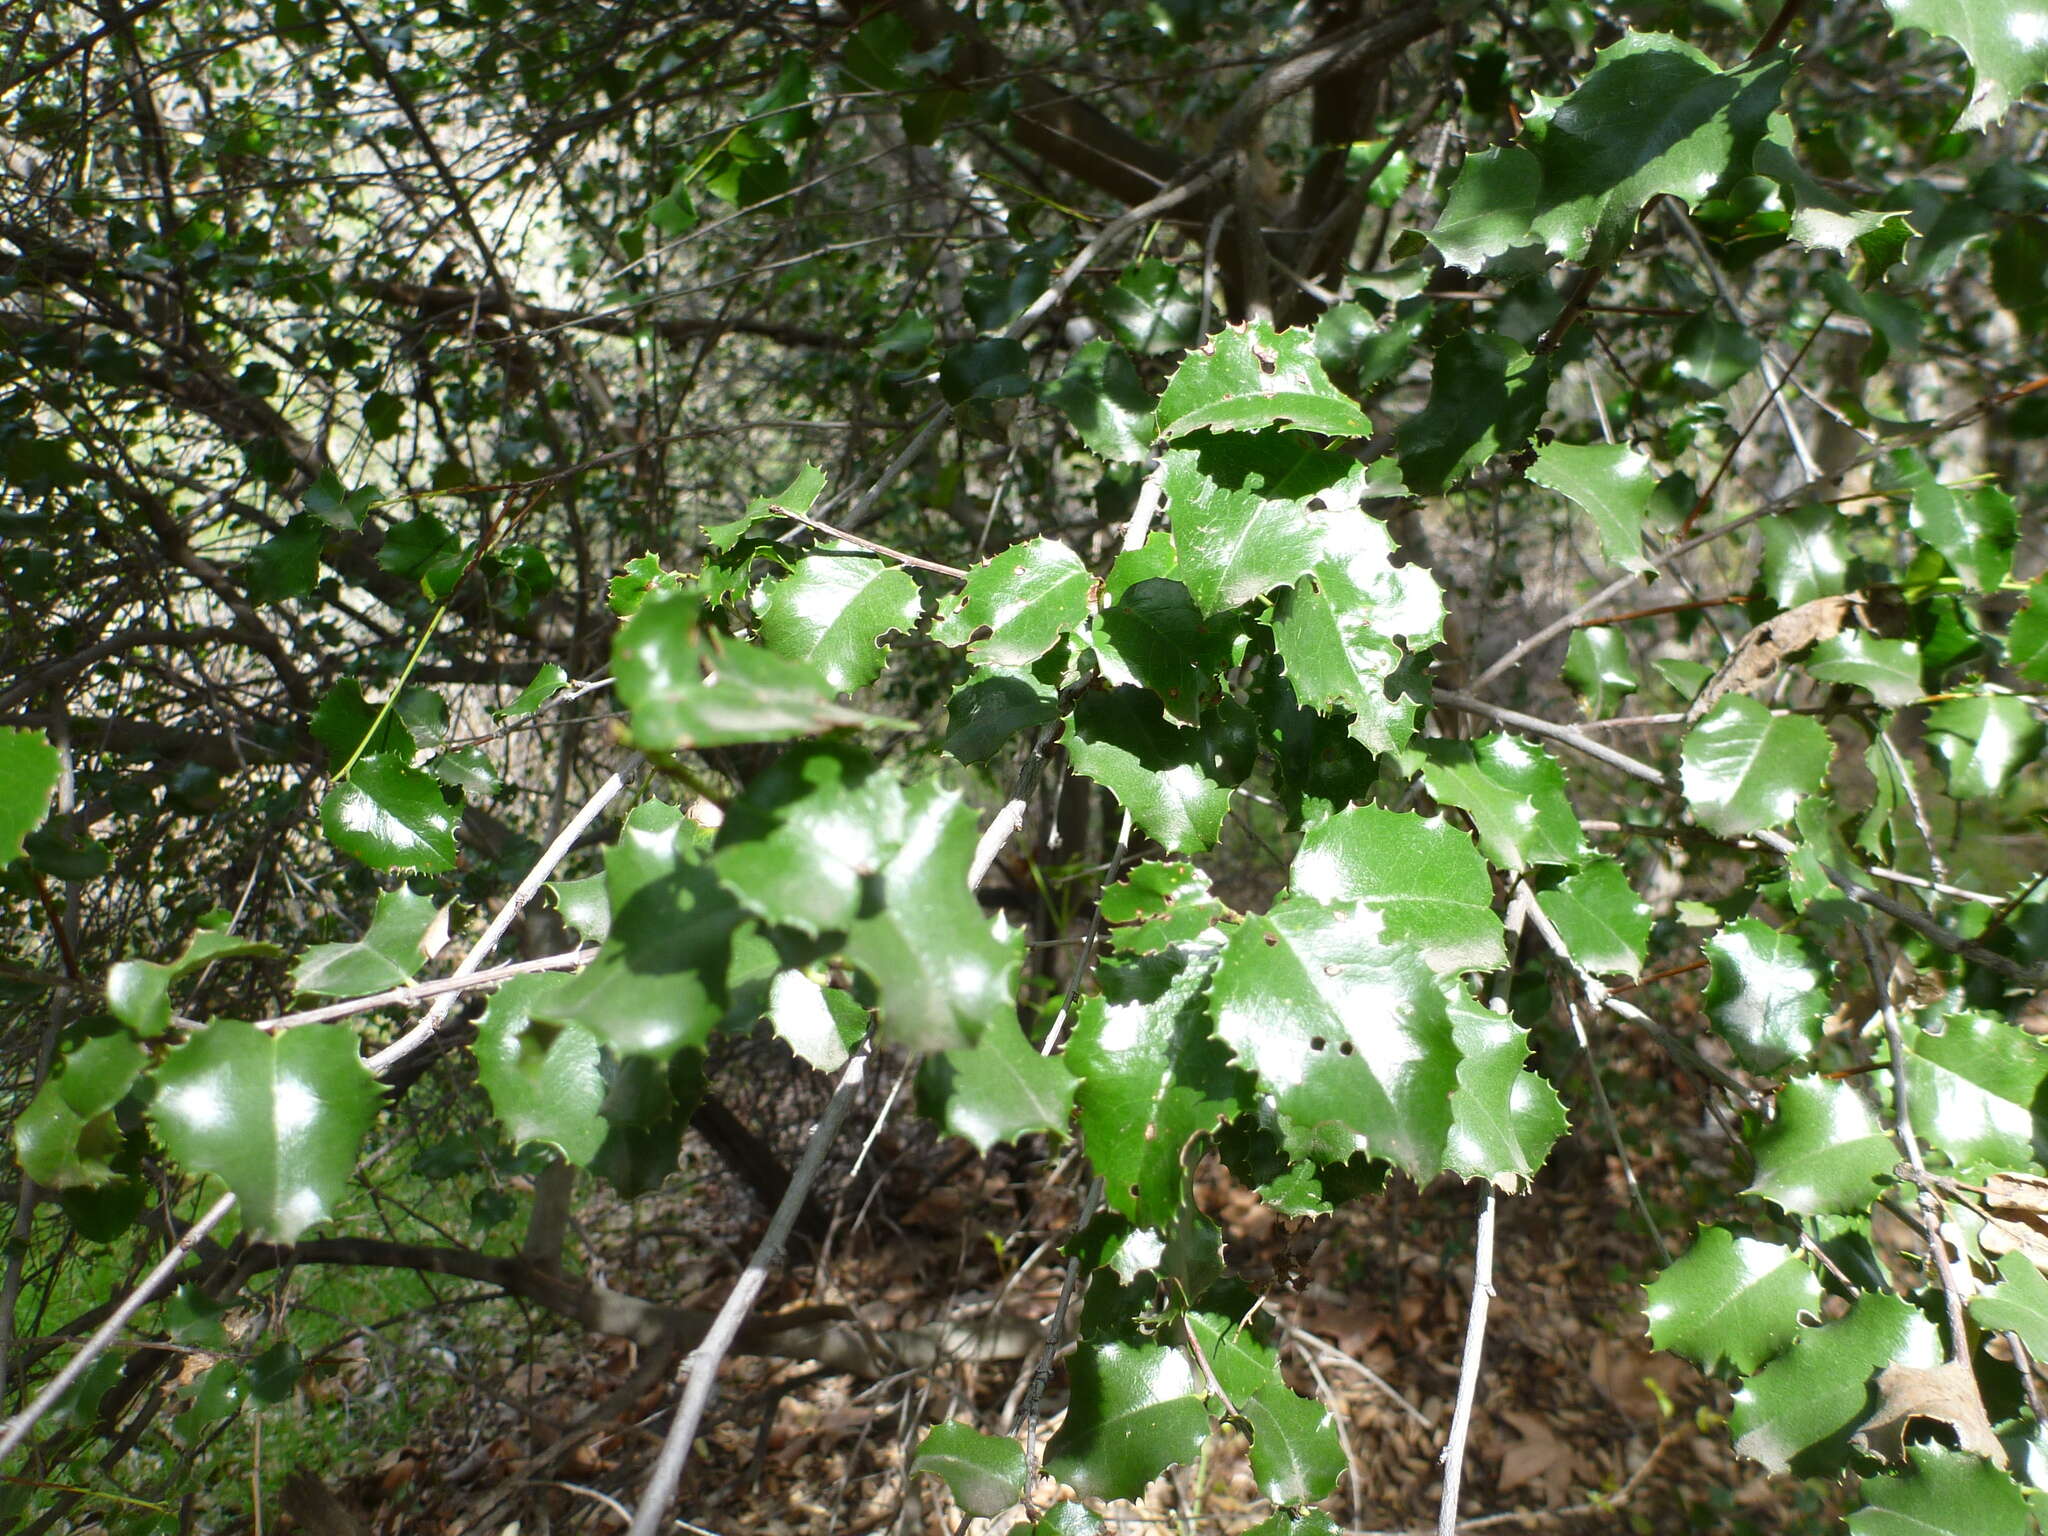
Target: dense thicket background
x: 362, y: 354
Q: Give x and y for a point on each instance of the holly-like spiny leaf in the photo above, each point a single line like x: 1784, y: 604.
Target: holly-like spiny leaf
x: 1612, y: 485
x: 1504, y: 1118
x: 545, y: 1080
x: 1731, y: 1300
x: 1604, y: 924
x: 1101, y: 394
x: 1174, y: 780
x: 1764, y: 995
x: 1420, y: 877
x: 2006, y: 47
x: 1157, y: 905
x: 391, y: 816
x: 29, y: 770
x: 1977, y: 1088
x: 1249, y: 376
x: 139, y: 991
x: 1983, y: 741
x: 832, y: 610
x: 1825, y: 1151
x: 1744, y: 768
x: 277, y: 1118
x: 1026, y: 598
x: 999, y: 1089
x: 67, y: 1137
x: 1514, y: 793
x: 1134, y: 1411
x: 388, y: 955
x: 984, y: 1472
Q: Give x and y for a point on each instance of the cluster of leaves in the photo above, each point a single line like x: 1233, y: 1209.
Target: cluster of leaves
x: 1251, y: 632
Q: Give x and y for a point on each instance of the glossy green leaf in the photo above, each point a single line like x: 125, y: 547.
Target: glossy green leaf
x: 1712, y: 353
x: 1153, y: 1077
x: 1744, y: 768
x: 389, y: 954
x: 1974, y: 529
x: 1806, y: 555
x: 29, y: 770
x: 1157, y: 905
x: 989, y: 368
x: 985, y: 1472
x: 687, y: 685
x: 1252, y: 512
x: 1798, y: 1412
x: 829, y: 844
x: 1250, y: 376
x: 1415, y: 881
x: 1731, y: 1300
x: 139, y: 991
x: 1945, y: 1493
x: 1825, y: 1150
x: 800, y: 495
x: 336, y: 505
x: 1151, y: 309
x: 345, y: 720
x: 1026, y: 598
x: 1514, y: 793
x: 658, y: 983
x: 1337, y: 657
x: 468, y: 770
x: 1295, y: 1522
x: 1295, y: 1452
x: 1152, y: 636
x: 1978, y: 1090
x: 822, y: 1025
x: 1352, y: 1039
x: 67, y: 1138
x: 998, y: 1090
x: 1135, y: 1410
x: 1764, y: 995
x: 2017, y: 1304
x: 1101, y: 394
x: 1610, y: 482
x: 2006, y: 47
x: 1599, y: 668
x: 545, y: 1080
x: 1653, y: 117
x: 1604, y: 924
x: 628, y: 590
x: 1504, y: 1118
x: 1174, y: 781
x: 1983, y: 741
x: 832, y: 610
x: 994, y: 704
x: 391, y: 816
x: 1486, y: 395
x: 278, y: 1118
x: 1887, y: 670
x: 1066, y: 1518
x: 2026, y: 643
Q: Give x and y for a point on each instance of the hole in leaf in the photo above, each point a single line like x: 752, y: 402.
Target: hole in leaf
x: 1316, y: 1042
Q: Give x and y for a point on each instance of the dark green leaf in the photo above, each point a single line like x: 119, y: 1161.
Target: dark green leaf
x: 831, y: 612
x: 1799, y: 1411
x: 546, y: 1081
x: 287, y: 563
x: 1171, y: 779
x: 1151, y: 310
x: 1486, y: 395
x: 1713, y: 354
x: 2008, y: 52
x: 1887, y: 670
x: 391, y: 816
x: 1157, y: 905
x: 985, y: 1472
x: 994, y: 704
x: 1295, y: 1453
x: 29, y: 771
x: 1152, y: 637
x: 1514, y: 793
x: 1975, y: 530
x: 1027, y: 597
x: 1978, y: 1090
x: 1982, y: 742
x: 997, y: 1090
x: 337, y: 506
x: 1825, y: 1151
x: 1653, y: 117
x: 1744, y: 768
x: 1250, y: 376
x: 547, y: 682
x: 1604, y: 925
x: 688, y: 685
x: 1599, y: 668
x: 277, y: 1118
x: 67, y: 1137
x: 388, y: 955
x: 1731, y: 1300
x: 1352, y: 1039
x: 467, y: 769
x: 993, y: 368
x: 1415, y: 882
x: 1100, y: 393
x: 1612, y: 485
x: 1135, y: 1410
x: 659, y: 981
x: 1764, y: 995
x: 1806, y: 556
x: 1153, y: 1078
x: 1504, y: 1118
x: 1946, y: 1493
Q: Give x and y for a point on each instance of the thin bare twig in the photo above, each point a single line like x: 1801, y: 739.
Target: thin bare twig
x: 701, y: 1368
x: 1453, y: 1457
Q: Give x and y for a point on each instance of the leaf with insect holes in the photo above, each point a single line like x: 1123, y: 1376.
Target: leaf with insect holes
x: 1027, y: 598
x: 1250, y: 376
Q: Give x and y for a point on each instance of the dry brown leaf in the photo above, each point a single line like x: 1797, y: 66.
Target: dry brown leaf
x: 1760, y: 654
x: 1945, y: 1393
